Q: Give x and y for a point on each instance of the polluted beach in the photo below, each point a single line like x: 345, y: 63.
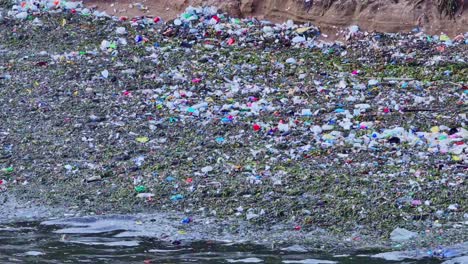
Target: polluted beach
x: 234, y: 132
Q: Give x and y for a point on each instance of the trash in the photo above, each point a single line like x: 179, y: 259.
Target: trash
x: 170, y: 179
x: 145, y: 195
x: 8, y: 170
x: 139, y: 160
x: 142, y: 139
x: 231, y: 41
x: 140, y: 189
x: 444, y: 38
x: 186, y: 220
x: 222, y: 113
x: 207, y: 169
x: 283, y: 127
x: 352, y: 32
x: 105, y: 74
x: 291, y: 61
x: 138, y: 38
x: 177, y: 197
x: 298, y: 39
x: 121, y: 31
x: 303, y: 30
x: 353, y: 29
x: 22, y: 15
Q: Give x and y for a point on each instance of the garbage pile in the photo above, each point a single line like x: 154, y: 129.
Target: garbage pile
x: 237, y: 118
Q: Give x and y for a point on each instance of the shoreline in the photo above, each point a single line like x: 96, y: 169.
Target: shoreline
x: 168, y: 227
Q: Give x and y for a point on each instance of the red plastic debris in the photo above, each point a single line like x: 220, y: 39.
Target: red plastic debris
x: 215, y: 17
x: 231, y: 41
x: 256, y: 127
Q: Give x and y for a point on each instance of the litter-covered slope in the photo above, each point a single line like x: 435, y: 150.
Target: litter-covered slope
x: 235, y: 119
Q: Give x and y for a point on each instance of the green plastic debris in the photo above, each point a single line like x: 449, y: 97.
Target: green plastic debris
x: 8, y: 170
x: 140, y: 189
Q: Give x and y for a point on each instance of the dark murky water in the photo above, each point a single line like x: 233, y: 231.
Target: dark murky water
x: 32, y: 242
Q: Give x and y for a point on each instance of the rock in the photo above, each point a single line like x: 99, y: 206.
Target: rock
x: 251, y: 215
x: 394, y: 140
x: 247, y: 6
x: 207, y: 169
x: 459, y: 260
x: 401, y: 234
x: 392, y: 256
x: 93, y: 179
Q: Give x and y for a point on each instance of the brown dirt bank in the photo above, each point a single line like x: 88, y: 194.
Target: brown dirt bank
x: 370, y: 15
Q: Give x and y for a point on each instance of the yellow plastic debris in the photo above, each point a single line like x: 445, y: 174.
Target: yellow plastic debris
x: 142, y: 139
x: 302, y: 30
x: 444, y: 37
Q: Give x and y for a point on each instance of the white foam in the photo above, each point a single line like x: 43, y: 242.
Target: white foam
x: 246, y: 260
x: 309, y: 261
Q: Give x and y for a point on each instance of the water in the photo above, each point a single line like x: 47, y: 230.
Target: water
x: 33, y: 242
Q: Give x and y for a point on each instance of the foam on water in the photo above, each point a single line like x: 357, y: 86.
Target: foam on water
x: 246, y: 260
x: 309, y: 261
